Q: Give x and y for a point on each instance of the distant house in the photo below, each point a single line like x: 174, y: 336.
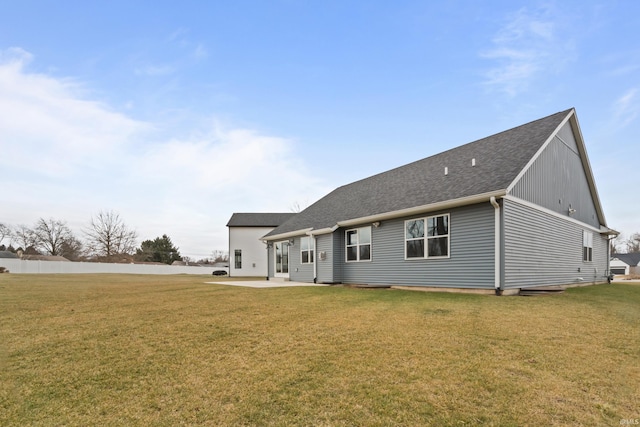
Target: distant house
x: 626, y: 264
x: 514, y: 210
x: 7, y: 254
x: 44, y: 258
x: 247, y: 254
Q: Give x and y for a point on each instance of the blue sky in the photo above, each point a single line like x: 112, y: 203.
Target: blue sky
x: 177, y: 115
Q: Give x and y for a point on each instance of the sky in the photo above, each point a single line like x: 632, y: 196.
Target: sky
x: 177, y: 114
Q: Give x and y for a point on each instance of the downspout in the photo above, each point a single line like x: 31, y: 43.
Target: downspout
x: 496, y: 245
x: 315, y: 260
x: 609, y: 275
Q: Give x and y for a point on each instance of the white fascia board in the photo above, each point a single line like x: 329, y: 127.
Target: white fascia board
x: 320, y: 231
x: 283, y: 236
x: 608, y: 231
x: 447, y: 204
x: 586, y: 164
x: 572, y: 118
x: 539, y: 152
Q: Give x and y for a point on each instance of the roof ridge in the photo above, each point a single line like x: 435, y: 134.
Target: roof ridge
x: 458, y: 147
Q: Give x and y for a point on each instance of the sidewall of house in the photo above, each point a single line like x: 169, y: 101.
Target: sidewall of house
x: 557, y: 180
x: 254, y: 252
x: 542, y: 249
x: 324, y: 245
x: 471, y: 253
x: 299, y: 272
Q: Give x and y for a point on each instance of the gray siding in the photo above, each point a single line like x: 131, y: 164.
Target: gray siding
x: 544, y: 249
x: 557, y: 180
x: 324, y: 243
x: 270, y: 262
x: 470, y: 265
x: 298, y: 272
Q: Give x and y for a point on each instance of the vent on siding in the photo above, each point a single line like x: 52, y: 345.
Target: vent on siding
x: 446, y: 170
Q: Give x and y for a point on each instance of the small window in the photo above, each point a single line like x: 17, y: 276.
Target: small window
x: 358, y: 244
x: 427, y: 237
x: 587, y: 246
x: 238, y: 258
x: 307, y: 249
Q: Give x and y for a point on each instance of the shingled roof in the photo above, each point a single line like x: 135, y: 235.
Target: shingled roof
x: 499, y: 159
x: 259, y: 219
x: 631, y: 259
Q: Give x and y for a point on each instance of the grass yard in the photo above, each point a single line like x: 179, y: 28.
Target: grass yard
x: 126, y: 350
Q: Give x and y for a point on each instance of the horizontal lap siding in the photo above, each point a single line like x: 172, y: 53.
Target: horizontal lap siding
x: 299, y: 272
x: 471, y: 262
x: 542, y: 249
x: 324, y: 243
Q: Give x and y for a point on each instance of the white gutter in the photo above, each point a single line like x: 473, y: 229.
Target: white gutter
x: 315, y: 260
x: 284, y: 236
x: 448, y: 204
x: 496, y: 244
x: 320, y: 231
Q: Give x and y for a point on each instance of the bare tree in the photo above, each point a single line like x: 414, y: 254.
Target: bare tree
x: 25, y: 238
x: 5, y: 231
x: 633, y: 243
x: 72, y: 249
x: 297, y: 207
x: 51, y: 235
x: 617, y: 243
x: 107, y: 235
x: 219, y: 256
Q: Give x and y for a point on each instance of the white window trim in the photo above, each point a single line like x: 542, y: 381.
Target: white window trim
x: 346, y: 245
x: 587, y: 242
x: 311, y: 250
x: 426, y: 238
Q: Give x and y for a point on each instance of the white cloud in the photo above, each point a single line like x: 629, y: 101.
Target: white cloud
x: 47, y: 128
x: 200, y: 52
x: 70, y: 157
x: 526, y: 47
x: 625, y: 108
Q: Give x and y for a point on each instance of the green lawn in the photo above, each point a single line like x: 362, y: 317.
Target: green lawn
x: 126, y: 350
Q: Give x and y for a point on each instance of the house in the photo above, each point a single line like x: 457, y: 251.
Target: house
x: 514, y: 210
x: 44, y: 258
x: 247, y: 254
x: 7, y: 254
x: 626, y: 264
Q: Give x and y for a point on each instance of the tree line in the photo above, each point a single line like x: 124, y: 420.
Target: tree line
x: 106, y: 238
x: 621, y: 245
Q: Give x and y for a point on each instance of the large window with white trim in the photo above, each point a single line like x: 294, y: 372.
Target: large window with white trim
x: 307, y: 249
x: 358, y: 244
x: 427, y: 237
x: 587, y: 246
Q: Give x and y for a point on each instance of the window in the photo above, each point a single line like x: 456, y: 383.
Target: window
x: 427, y: 237
x: 587, y: 246
x: 238, y: 258
x: 307, y: 249
x: 282, y: 257
x: 358, y: 242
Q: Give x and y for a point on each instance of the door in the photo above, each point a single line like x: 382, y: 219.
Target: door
x: 282, y: 259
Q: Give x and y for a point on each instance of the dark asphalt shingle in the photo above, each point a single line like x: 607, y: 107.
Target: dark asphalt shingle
x: 259, y: 219
x: 499, y: 159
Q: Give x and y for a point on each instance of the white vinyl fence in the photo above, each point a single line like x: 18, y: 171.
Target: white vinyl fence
x: 23, y: 266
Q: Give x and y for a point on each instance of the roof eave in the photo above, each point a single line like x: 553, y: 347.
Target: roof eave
x: 287, y: 234
x: 447, y: 204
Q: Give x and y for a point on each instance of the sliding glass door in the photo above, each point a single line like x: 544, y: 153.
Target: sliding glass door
x: 282, y: 259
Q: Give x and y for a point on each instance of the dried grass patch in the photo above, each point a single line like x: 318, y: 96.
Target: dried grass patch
x: 149, y: 350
